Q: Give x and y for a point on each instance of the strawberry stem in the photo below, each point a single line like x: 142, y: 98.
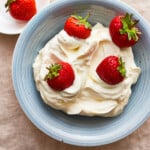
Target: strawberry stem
x: 87, y: 16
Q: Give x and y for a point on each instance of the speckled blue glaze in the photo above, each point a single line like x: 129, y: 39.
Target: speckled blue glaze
x: 79, y: 130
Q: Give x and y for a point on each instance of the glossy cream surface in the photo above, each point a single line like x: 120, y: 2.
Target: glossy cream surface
x: 88, y: 95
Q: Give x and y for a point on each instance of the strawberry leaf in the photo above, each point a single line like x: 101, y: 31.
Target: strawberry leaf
x: 129, y: 27
x: 77, y: 17
x: 83, y: 21
x: 7, y: 4
x: 121, y: 68
x: 53, y: 71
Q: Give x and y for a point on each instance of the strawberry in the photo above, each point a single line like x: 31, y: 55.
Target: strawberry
x: 111, y: 70
x: 60, y: 76
x: 78, y: 26
x: 21, y: 9
x: 123, y: 30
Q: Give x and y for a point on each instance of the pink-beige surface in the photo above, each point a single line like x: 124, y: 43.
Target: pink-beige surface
x: 16, y: 130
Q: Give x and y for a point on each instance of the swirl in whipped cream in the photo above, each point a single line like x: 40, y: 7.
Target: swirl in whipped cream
x: 88, y: 95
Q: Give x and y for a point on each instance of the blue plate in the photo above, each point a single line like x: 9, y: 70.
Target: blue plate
x: 79, y: 130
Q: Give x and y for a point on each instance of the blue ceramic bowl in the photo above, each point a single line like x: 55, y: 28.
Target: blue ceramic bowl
x: 79, y: 130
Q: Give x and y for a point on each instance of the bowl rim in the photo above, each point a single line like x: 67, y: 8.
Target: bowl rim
x: 38, y: 18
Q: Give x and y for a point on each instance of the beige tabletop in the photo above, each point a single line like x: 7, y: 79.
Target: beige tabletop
x: 16, y: 130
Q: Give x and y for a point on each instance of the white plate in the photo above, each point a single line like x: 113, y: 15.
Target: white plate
x: 8, y: 25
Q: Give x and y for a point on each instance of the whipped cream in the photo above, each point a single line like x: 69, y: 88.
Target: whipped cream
x: 88, y: 95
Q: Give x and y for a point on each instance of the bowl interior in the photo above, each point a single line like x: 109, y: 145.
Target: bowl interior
x: 79, y: 130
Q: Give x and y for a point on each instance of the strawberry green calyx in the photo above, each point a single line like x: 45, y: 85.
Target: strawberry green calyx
x: 83, y: 21
x: 129, y: 27
x: 7, y: 4
x: 53, y: 71
x: 121, y: 68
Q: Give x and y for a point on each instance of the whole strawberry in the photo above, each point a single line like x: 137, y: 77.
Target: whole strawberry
x: 111, y: 70
x: 78, y: 26
x: 21, y: 9
x: 123, y: 30
x: 60, y: 76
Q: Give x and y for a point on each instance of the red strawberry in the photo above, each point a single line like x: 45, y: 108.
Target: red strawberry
x: 21, y: 9
x: 123, y: 30
x: 78, y: 26
x: 60, y: 76
x: 111, y: 70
